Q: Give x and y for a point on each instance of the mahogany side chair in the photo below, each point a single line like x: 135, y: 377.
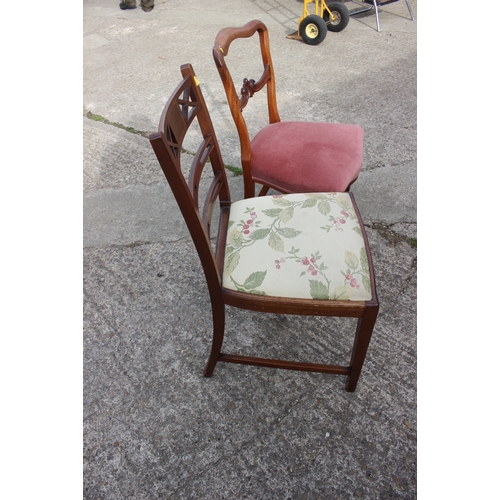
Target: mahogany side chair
x: 290, y: 156
x: 302, y: 254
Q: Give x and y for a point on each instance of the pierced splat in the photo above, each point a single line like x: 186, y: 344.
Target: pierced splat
x: 250, y: 87
x: 187, y: 104
x: 180, y: 117
x: 172, y: 142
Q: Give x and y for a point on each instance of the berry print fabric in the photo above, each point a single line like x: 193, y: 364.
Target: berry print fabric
x: 297, y: 246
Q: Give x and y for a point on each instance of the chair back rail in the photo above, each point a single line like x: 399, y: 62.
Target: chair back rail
x: 237, y: 102
x: 222, y: 43
x: 185, y: 104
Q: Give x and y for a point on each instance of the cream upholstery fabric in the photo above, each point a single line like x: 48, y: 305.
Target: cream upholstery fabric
x: 298, y: 246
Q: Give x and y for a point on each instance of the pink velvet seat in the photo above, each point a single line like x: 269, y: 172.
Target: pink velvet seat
x: 291, y: 157
x: 296, y: 157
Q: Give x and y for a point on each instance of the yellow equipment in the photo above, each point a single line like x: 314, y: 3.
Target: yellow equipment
x: 314, y: 27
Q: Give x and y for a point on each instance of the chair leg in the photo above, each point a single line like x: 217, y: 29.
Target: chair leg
x: 375, y: 4
x: 248, y: 185
x: 409, y: 9
x: 219, y: 320
x: 361, y: 341
x: 264, y: 190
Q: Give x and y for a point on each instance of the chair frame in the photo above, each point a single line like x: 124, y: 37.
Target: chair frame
x: 222, y: 43
x: 186, y: 103
x: 237, y: 103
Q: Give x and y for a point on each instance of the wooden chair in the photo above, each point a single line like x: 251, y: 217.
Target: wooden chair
x: 303, y: 254
x: 291, y: 157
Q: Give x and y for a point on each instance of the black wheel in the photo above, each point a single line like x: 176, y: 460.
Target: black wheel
x: 312, y: 29
x: 339, y: 18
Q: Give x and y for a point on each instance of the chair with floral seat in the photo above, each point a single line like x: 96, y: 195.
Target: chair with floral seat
x: 290, y: 156
x: 303, y: 254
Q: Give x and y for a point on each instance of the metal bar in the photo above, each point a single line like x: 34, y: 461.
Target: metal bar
x: 409, y: 10
x: 354, y: 12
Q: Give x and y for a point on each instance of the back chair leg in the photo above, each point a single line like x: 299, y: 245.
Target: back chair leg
x: 264, y: 190
x: 376, y: 13
x: 409, y: 9
x: 219, y: 320
x: 361, y: 341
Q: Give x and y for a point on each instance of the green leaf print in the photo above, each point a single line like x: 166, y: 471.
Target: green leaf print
x: 236, y: 238
x: 286, y: 214
x: 366, y: 283
x: 276, y: 243
x: 324, y: 207
x: 259, y: 234
x: 318, y: 290
x: 281, y: 202
x: 342, y: 292
x: 251, y: 283
x: 344, y: 202
x: 364, y: 259
x: 357, y: 230
x: 310, y: 202
x: 288, y: 232
x: 231, y: 263
x: 255, y: 280
x: 272, y: 212
x: 351, y: 260
x: 316, y: 196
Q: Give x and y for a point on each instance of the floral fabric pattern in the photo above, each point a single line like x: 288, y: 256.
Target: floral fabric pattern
x: 273, y: 249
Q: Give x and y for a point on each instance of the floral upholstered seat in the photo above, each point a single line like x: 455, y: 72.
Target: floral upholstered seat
x: 272, y: 249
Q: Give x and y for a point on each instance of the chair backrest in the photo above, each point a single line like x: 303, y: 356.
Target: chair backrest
x: 185, y: 104
x: 237, y: 103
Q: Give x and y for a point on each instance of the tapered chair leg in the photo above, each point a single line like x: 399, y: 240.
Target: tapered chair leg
x: 409, y: 9
x: 376, y: 14
x: 219, y: 320
x: 361, y: 341
x: 264, y: 190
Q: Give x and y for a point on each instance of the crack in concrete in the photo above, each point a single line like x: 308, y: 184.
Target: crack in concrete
x: 385, y: 230
x: 137, y: 243
x: 131, y: 130
x: 99, y: 118
x: 376, y: 166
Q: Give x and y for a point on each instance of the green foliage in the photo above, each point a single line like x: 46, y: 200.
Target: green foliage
x: 318, y: 290
x: 255, y: 280
x: 234, y: 170
x: 99, y: 118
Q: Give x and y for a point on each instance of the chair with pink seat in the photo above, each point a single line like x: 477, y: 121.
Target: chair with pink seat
x: 291, y: 156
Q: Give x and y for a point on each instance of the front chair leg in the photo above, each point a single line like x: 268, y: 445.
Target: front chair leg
x: 361, y: 341
x: 219, y: 320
